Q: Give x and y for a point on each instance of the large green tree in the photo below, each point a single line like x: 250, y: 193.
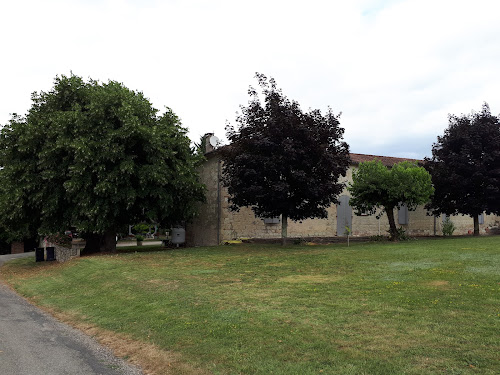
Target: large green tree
x: 377, y: 187
x: 465, y: 166
x: 95, y: 156
x: 283, y: 161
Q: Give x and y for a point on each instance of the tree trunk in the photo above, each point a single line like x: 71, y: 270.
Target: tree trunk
x: 30, y: 243
x: 476, y: 225
x: 284, y: 228
x: 110, y: 241
x: 92, y: 243
x: 392, y: 224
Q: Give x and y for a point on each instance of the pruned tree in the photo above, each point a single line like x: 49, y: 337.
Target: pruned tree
x: 465, y: 166
x: 283, y: 161
x: 94, y: 156
x: 376, y: 187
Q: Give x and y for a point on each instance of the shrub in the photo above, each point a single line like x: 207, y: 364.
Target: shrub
x: 400, y: 235
x: 141, y: 228
x: 378, y: 238
x: 60, y: 239
x: 299, y: 241
x: 448, y: 227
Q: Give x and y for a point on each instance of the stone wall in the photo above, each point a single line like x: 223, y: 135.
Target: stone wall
x: 216, y: 223
x: 78, y: 244
x: 63, y: 254
x: 465, y: 224
x: 204, y: 229
x: 17, y: 248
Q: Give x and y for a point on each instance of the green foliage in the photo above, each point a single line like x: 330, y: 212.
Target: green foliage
x: 141, y: 228
x: 95, y: 156
x: 60, y: 239
x: 283, y: 161
x: 375, y: 186
x: 299, y: 241
x: 378, y: 238
x: 139, y: 237
x: 448, y: 227
x: 400, y: 235
x: 465, y: 166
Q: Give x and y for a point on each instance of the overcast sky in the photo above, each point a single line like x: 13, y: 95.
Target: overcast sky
x: 394, y: 68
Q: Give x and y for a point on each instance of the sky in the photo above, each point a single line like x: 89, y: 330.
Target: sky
x: 395, y: 69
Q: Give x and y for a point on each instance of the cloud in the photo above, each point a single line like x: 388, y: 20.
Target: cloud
x: 394, y: 68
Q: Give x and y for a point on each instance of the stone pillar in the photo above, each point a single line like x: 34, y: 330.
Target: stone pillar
x: 77, y: 245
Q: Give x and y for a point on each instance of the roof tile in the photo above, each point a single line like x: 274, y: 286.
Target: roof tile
x: 388, y: 161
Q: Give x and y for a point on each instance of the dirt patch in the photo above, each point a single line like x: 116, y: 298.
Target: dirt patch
x: 233, y: 281
x: 430, y: 364
x: 442, y: 284
x: 152, y: 359
x: 165, y: 284
x: 372, y: 337
x: 277, y: 264
x: 31, y: 270
x: 310, y: 279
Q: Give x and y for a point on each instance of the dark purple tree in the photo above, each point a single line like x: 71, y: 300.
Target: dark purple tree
x: 283, y: 161
x: 465, y: 166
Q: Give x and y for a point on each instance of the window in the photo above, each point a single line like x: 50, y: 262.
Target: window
x: 272, y: 220
x: 403, y: 215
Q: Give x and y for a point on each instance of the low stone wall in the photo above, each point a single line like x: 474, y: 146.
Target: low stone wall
x: 78, y: 244
x: 63, y: 254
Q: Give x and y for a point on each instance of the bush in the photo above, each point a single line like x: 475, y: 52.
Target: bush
x: 139, y: 238
x: 60, y: 239
x: 448, y: 227
x: 378, y: 238
x: 401, y: 235
x: 141, y: 228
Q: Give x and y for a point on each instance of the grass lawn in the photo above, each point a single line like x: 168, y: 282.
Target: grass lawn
x: 418, y: 307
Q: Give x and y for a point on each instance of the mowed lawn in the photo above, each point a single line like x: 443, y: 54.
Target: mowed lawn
x: 417, y: 307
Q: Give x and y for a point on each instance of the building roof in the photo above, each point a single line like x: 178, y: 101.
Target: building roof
x: 388, y: 161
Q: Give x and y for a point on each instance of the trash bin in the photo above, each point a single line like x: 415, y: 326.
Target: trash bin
x: 39, y: 254
x: 51, y: 254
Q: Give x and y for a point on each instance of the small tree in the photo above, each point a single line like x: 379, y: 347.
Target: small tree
x: 94, y: 156
x: 465, y: 166
x: 448, y: 227
x: 375, y: 186
x: 282, y: 161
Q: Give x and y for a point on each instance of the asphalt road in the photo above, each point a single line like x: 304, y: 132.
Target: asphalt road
x: 34, y: 343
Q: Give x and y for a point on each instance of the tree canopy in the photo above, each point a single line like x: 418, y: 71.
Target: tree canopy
x: 283, y: 161
x: 94, y: 156
x: 374, y: 187
x: 465, y: 166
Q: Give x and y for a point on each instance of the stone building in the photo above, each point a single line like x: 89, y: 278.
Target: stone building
x: 216, y: 223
